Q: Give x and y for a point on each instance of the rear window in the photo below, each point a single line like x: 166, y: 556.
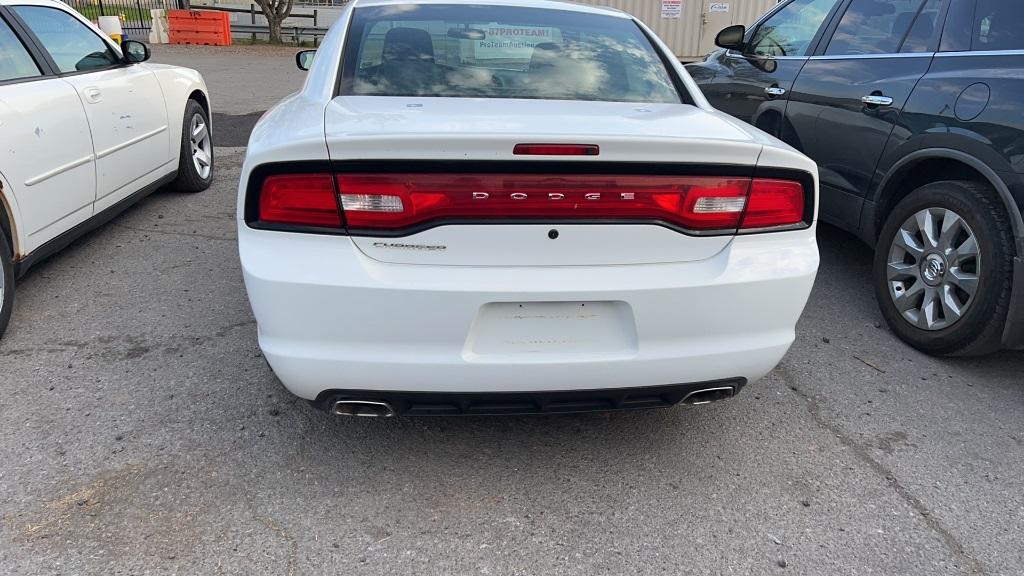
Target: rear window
x: 501, y: 52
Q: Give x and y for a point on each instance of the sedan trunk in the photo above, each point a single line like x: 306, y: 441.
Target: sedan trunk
x: 629, y: 196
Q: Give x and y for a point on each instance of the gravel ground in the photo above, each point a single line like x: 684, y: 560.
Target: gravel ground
x: 142, y: 433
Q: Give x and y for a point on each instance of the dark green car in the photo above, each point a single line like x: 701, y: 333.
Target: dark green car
x: 914, y: 112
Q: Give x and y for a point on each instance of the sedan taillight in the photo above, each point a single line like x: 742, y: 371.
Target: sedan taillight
x: 488, y: 197
x: 300, y: 200
x: 392, y: 203
x: 773, y: 203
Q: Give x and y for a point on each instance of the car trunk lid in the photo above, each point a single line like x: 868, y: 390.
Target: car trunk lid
x: 531, y: 209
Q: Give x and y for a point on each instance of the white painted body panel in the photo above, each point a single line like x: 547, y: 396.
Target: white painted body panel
x: 330, y: 317
x: 177, y: 86
x: 128, y: 120
x: 383, y: 128
x: 338, y: 312
x: 83, y: 157
x: 9, y: 204
x: 529, y: 245
x: 484, y: 128
x: 47, y: 157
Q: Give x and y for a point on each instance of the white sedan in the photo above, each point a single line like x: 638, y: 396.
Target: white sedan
x: 519, y: 207
x: 85, y: 130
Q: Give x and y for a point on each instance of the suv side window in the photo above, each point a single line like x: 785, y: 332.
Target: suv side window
x: 998, y: 25
x: 71, y: 44
x: 956, y: 34
x: 883, y: 26
x: 15, y: 61
x: 789, y: 31
x: 923, y: 31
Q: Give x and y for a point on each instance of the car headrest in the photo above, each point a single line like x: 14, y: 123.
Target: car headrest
x: 544, y: 54
x: 902, y: 22
x: 408, y: 44
x: 923, y: 27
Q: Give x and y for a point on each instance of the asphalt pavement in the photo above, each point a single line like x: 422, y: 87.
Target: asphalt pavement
x: 141, y: 432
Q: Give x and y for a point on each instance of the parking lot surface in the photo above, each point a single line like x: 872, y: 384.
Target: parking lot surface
x: 141, y: 432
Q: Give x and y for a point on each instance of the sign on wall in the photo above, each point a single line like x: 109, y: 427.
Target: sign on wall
x: 718, y: 7
x: 671, y: 8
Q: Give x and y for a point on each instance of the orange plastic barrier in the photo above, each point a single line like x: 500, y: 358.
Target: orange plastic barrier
x: 199, y: 27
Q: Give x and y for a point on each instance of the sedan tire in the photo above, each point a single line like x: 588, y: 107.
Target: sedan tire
x: 943, y: 268
x: 195, y: 163
x: 6, y: 283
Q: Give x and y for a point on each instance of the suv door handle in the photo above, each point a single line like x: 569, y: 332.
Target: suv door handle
x: 774, y: 91
x: 876, y: 100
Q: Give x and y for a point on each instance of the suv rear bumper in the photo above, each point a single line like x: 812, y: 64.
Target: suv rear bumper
x: 330, y: 318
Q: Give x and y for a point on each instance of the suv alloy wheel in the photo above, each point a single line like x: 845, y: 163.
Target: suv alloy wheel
x: 943, y: 268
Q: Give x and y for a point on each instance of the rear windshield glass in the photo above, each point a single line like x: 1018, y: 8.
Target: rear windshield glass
x: 501, y: 52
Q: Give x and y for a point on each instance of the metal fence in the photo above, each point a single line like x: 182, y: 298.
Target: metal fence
x: 135, y: 15
x: 325, y: 3
x: 250, y: 23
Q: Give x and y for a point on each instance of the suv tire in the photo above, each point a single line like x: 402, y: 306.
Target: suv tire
x: 947, y: 293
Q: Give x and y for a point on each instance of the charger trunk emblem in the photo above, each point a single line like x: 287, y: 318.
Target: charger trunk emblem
x: 553, y: 196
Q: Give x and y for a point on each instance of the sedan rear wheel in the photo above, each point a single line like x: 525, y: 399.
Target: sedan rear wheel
x: 943, y: 269
x: 6, y: 283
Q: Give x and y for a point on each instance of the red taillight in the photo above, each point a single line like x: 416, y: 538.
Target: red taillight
x: 556, y: 149
x: 395, y: 201
x: 300, y: 199
x: 774, y: 203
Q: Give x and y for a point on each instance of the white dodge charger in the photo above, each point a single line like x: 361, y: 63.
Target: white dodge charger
x: 519, y: 207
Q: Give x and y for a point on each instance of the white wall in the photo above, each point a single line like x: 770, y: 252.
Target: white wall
x: 683, y: 34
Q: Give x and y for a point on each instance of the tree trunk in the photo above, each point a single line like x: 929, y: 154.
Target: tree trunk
x: 275, y: 11
x: 274, y: 23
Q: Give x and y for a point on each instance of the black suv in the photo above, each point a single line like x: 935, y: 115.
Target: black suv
x: 914, y: 112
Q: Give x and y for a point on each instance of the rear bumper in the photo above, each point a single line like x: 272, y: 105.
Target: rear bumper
x: 519, y: 403
x: 331, y: 319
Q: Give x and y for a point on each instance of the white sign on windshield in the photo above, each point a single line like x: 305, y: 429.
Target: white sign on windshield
x: 512, y: 42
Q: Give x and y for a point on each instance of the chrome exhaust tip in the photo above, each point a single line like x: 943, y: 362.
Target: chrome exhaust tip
x: 367, y: 408
x: 709, y: 395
